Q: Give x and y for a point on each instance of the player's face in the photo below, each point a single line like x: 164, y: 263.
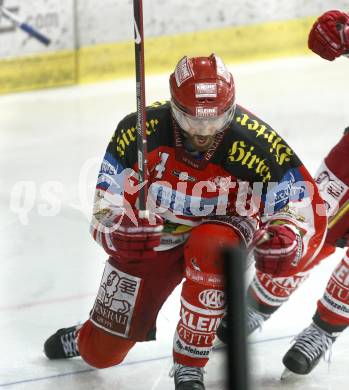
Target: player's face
x: 201, y: 142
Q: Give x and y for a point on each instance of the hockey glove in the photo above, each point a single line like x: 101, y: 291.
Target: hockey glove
x: 277, y: 249
x: 133, y: 237
x: 329, y: 36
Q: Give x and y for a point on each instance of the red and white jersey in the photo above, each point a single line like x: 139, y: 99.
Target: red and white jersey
x: 249, y: 174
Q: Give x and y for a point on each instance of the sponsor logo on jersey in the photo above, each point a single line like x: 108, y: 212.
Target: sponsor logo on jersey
x: 199, y: 323
x: 223, y: 182
x: 330, y: 184
x: 281, y: 152
x: 277, y: 289
x: 111, y: 175
x: 115, y: 301
x: 290, y: 213
x: 180, y: 346
x: 191, y: 337
x: 183, y: 176
x: 292, y: 187
x: 341, y: 274
x: 213, y: 299
x: 205, y: 90
x: 241, y: 153
x: 336, y: 305
x: 107, y: 168
x: 331, y: 188
x: 183, y: 71
x: 204, y: 278
x: 126, y: 137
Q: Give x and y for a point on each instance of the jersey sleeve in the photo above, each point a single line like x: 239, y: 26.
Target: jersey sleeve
x: 113, y: 178
x: 296, y: 200
x: 117, y: 186
x: 285, y: 189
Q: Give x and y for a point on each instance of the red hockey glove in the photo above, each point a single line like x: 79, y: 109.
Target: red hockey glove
x: 277, y: 249
x: 133, y: 237
x: 329, y: 36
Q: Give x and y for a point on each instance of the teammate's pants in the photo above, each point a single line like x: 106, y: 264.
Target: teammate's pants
x: 267, y: 293
x: 131, y: 295
x: 333, y: 308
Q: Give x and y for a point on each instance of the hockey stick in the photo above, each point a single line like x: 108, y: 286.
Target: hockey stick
x: 339, y: 215
x: 141, y: 116
x: 238, y: 370
x: 25, y: 26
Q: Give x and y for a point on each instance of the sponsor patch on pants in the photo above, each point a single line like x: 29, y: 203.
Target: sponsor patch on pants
x: 193, y: 351
x: 115, y: 302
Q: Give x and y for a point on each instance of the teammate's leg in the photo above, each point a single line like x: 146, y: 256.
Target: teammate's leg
x: 329, y: 320
x: 266, y: 294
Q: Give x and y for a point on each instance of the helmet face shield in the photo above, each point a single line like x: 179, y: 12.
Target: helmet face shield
x: 206, y: 123
x: 202, y: 95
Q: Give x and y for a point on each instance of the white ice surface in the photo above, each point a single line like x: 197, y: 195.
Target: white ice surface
x: 52, y: 141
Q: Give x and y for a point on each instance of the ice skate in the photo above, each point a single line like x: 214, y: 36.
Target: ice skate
x: 254, y: 320
x: 62, y: 344
x: 305, y: 354
x: 188, y: 378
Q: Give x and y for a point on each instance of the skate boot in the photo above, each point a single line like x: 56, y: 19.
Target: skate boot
x: 305, y: 354
x: 254, y: 320
x: 188, y: 378
x: 62, y: 344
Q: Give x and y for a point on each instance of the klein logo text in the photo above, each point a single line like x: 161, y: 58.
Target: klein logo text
x: 205, y: 90
x: 201, y: 324
x: 202, y: 112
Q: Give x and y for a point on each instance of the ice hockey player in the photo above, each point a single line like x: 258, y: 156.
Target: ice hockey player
x: 329, y: 38
x: 332, y: 314
x: 217, y: 174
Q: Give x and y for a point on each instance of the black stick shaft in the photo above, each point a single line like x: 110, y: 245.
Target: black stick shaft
x: 235, y: 266
x: 140, y: 94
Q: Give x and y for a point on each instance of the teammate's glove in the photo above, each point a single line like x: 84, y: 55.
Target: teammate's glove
x: 277, y: 249
x: 133, y: 237
x: 329, y: 36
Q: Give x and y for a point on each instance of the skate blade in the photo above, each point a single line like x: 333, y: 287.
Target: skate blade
x: 288, y: 375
